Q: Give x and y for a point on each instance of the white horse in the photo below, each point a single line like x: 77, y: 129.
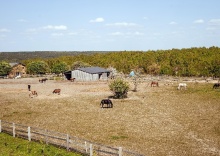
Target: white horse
x: 181, y: 86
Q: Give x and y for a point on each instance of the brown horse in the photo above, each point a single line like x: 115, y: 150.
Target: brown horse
x: 72, y: 79
x: 154, y: 84
x: 57, y: 91
x: 43, y: 80
x: 33, y: 93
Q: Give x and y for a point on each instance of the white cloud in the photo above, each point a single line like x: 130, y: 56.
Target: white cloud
x: 126, y: 34
x: 100, y: 19
x: 2, y: 36
x: 157, y: 34
x: 22, y: 20
x: 5, y: 30
x: 58, y: 27
x: 116, y: 34
x: 31, y: 30
x: 172, y: 23
x: 73, y: 33
x: 199, y: 21
x: 214, y: 22
x: 57, y: 34
x: 124, y: 24
x: 138, y: 33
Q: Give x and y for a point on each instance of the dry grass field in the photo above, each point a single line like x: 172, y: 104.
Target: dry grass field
x: 153, y: 121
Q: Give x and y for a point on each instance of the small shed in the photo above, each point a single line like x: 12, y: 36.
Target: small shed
x: 90, y: 74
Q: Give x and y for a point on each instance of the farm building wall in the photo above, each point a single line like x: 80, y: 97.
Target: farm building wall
x: 83, y: 76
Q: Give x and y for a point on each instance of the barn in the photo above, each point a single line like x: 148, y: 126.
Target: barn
x: 90, y: 74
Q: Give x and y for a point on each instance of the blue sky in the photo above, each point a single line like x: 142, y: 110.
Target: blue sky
x: 108, y: 25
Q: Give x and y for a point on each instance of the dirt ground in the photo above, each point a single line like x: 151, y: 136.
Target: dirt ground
x: 152, y: 121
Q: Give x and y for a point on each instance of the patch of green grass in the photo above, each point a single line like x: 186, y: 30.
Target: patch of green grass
x: 201, y: 89
x: 17, y: 147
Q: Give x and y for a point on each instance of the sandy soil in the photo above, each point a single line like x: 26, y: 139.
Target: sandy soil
x: 152, y: 121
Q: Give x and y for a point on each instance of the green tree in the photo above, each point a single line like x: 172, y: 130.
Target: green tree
x: 154, y: 69
x: 5, y: 68
x: 119, y: 87
x: 37, y: 67
x: 79, y: 64
x: 59, y: 67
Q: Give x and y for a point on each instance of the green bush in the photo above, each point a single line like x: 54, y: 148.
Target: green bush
x: 119, y: 87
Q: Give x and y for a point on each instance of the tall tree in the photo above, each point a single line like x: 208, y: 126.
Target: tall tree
x: 59, y: 67
x: 38, y: 67
x: 5, y: 68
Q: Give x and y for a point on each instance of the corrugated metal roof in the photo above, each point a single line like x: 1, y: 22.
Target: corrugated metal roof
x: 94, y: 70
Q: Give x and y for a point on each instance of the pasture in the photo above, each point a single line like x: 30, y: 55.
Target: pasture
x: 152, y: 121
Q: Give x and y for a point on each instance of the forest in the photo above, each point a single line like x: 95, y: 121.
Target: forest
x: 195, y: 61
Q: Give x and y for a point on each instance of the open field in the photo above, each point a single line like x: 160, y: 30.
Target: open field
x: 152, y: 121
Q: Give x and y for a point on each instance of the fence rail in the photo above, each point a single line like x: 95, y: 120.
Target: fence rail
x: 70, y: 143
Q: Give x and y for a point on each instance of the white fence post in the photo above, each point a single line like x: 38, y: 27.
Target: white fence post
x: 29, y: 133
x: 13, y: 128
x: 120, y: 151
x: 91, y: 150
x: 67, y: 142
x: 86, y: 146
x: 0, y: 126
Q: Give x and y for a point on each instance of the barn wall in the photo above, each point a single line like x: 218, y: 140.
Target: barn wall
x: 83, y: 76
x: 104, y: 76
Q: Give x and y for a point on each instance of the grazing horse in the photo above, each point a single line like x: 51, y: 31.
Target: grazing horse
x: 108, y: 102
x: 154, y: 84
x: 181, y: 86
x: 43, y: 80
x: 72, y: 79
x: 33, y: 93
x: 57, y: 91
x: 216, y: 85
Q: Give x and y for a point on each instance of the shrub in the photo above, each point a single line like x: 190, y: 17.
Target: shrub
x: 119, y: 87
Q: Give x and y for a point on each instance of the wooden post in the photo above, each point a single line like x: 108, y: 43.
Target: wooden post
x: 86, y: 146
x: 120, y: 151
x: 0, y: 126
x: 13, y: 129
x: 91, y: 150
x: 67, y: 142
x: 29, y: 133
x: 46, y: 138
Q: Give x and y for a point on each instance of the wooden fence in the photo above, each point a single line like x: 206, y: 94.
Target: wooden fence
x: 70, y: 143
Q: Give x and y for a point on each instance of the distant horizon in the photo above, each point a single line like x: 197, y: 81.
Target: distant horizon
x: 116, y: 25
x: 105, y: 50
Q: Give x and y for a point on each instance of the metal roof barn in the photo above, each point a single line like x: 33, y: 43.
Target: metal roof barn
x: 90, y: 74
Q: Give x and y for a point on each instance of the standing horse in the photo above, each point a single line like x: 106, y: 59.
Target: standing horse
x: 57, y: 91
x: 154, y: 84
x: 33, y: 93
x: 43, y: 80
x: 108, y: 102
x: 181, y: 86
x: 216, y: 85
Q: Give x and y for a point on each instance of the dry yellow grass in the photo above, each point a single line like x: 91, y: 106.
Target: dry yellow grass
x: 152, y: 121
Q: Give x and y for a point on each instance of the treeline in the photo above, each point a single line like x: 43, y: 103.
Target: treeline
x: 177, y: 62
x: 19, y: 56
